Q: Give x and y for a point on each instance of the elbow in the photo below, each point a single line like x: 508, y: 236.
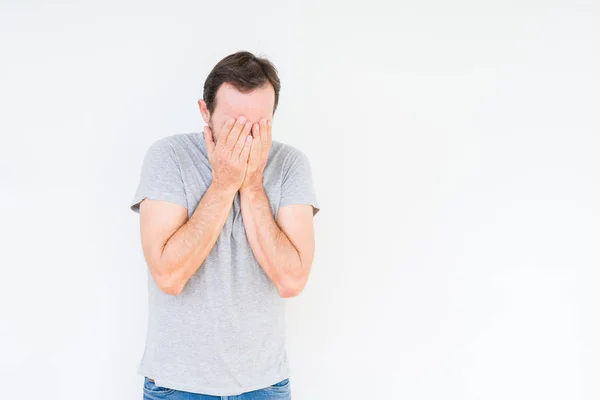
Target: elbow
x: 168, y: 283
x: 287, y: 292
x: 292, y: 284
x: 291, y: 287
x: 171, y: 289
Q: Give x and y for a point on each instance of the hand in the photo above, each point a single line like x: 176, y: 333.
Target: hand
x: 229, y: 156
x: 261, y: 144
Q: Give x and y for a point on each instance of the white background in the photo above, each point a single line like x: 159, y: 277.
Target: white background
x: 455, y: 155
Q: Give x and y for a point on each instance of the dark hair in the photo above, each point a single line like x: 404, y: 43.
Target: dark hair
x: 245, y: 72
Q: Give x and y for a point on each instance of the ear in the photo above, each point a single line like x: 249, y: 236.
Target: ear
x: 204, y: 111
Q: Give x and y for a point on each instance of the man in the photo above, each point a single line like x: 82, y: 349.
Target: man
x: 226, y: 223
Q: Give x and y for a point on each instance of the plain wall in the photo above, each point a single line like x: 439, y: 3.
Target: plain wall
x: 455, y: 155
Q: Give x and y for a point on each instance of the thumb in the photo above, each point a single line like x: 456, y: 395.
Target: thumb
x: 208, y: 138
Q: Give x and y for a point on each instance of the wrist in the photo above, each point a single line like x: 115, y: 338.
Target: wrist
x: 251, y: 190
x: 223, y: 189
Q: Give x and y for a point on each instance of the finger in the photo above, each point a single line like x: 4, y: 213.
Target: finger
x: 248, y: 143
x: 263, y: 128
x: 208, y: 139
x: 264, y: 135
x: 225, y: 131
x: 239, y: 146
x: 255, y: 151
x: 235, y: 133
x: 256, y: 133
x: 268, y: 140
x: 269, y: 129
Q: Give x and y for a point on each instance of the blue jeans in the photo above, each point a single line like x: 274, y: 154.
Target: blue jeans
x: 278, y: 391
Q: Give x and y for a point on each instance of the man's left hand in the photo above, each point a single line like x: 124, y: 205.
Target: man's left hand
x: 259, y: 152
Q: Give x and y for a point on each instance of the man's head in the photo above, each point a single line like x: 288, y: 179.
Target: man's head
x: 240, y: 84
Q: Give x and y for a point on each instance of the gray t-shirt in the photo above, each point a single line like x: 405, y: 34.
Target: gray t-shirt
x: 224, y: 334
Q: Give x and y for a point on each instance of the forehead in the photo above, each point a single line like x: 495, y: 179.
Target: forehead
x: 253, y: 105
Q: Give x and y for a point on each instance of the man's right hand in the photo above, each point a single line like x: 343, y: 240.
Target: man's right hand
x: 229, y: 156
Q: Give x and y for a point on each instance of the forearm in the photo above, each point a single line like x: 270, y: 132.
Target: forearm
x: 274, y: 252
x: 187, y: 249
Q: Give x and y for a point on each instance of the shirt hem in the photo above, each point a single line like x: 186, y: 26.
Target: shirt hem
x: 170, y: 384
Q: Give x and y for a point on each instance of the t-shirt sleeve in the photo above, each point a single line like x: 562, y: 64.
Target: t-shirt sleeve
x: 160, y: 178
x: 297, y: 185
